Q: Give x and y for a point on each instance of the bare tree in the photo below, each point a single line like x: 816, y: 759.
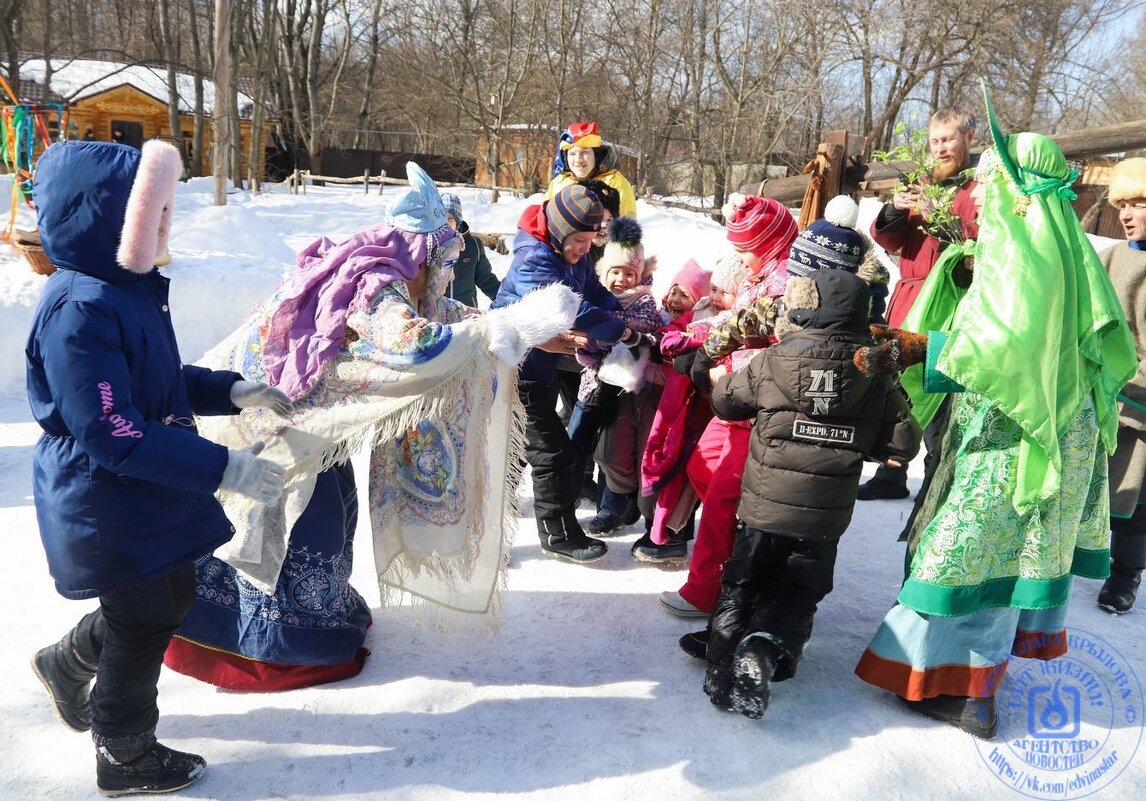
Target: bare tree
x: 220, y: 114
x: 198, y: 132
x: 902, y: 43
x: 1049, y: 46
x: 172, y: 58
x: 479, y: 65
x: 10, y: 34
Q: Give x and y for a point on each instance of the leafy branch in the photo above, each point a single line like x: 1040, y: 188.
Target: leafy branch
x: 935, y: 199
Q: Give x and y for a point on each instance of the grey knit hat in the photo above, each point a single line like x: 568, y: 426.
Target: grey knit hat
x: 453, y: 205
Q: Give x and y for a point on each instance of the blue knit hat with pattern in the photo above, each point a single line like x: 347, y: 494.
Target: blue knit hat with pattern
x: 572, y: 210
x: 831, y: 243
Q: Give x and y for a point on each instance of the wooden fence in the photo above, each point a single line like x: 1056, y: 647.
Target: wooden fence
x: 298, y: 180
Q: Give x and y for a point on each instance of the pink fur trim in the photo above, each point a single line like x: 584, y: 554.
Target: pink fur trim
x: 148, y: 218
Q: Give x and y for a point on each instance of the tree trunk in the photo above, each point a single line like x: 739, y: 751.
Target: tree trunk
x: 170, y: 56
x: 198, y: 134
x: 10, y: 13
x: 221, y: 114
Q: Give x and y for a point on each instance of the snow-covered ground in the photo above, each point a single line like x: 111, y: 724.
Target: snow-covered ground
x: 582, y: 694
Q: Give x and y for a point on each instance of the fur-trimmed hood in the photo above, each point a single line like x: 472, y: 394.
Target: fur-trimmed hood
x: 833, y: 301
x: 105, y: 207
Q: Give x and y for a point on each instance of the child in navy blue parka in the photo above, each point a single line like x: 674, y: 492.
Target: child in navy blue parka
x: 123, y: 484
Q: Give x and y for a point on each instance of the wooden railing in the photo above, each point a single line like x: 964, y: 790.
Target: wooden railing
x: 299, y: 179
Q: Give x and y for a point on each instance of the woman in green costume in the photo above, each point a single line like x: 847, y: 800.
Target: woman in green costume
x: 1036, y: 351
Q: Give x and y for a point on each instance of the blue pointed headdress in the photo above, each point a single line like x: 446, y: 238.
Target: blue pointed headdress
x: 420, y: 209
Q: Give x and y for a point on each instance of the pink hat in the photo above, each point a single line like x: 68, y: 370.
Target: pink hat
x: 694, y: 279
x: 759, y: 225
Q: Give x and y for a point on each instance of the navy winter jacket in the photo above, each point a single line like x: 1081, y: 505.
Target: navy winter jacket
x: 123, y: 483
x: 536, y: 264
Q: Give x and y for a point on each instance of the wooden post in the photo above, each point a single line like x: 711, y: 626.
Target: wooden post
x: 834, y: 185
x: 302, y: 177
x: 381, y: 182
x: 366, y: 182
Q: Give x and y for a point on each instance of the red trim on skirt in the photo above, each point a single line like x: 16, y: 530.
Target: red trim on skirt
x: 916, y: 684
x: 240, y: 674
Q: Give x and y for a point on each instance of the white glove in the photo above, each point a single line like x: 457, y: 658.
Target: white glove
x: 538, y: 317
x: 259, y: 479
x: 249, y: 394
x: 621, y: 369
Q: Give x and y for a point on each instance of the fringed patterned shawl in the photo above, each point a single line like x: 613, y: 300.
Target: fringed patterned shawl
x: 445, y: 430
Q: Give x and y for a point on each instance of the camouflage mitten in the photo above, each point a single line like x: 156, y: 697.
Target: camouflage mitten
x: 897, y: 350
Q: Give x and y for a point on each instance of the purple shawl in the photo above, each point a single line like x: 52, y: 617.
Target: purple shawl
x: 333, y: 279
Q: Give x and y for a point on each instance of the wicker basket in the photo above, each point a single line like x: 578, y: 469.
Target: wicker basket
x: 34, y: 255
x: 28, y: 241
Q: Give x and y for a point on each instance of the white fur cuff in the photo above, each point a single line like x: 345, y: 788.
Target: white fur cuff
x: 539, y: 316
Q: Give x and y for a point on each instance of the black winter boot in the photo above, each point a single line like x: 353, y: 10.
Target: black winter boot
x: 67, y: 678
x: 1118, y: 594
x: 718, y: 684
x: 139, y: 764
x: 752, y: 667
x: 975, y: 716
x: 695, y: 644
x: 673, y: 552
x: 879, y: 488
x: 562, y: 537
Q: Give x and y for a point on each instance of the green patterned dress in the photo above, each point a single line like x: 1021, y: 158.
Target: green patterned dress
x: 985, y: 581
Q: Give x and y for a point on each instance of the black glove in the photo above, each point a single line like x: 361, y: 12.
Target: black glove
x: 682, y: 362
x: 699, y: 374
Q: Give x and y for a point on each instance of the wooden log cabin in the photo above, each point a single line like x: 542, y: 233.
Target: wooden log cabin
x: 112, y: 101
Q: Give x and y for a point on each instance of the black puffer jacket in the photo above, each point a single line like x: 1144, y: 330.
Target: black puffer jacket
x: 817, y: 416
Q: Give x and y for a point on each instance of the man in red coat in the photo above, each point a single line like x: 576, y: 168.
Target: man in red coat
x: 897, y: 230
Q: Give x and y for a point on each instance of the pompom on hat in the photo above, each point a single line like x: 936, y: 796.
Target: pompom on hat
x: 1128, y: 180
x: 831, y: 243
x: 694, y: 279
x: 420, y: 210
x: 624, y: 249
x: 582, y: 134
x: 759, y: 225
x: 729, y: 273
x: 572, y: 210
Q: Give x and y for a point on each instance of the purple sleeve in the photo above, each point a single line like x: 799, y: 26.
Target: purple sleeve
x: 643, y: 315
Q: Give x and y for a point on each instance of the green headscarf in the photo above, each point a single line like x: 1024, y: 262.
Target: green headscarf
x: 933, y: 310
x: 1040, y: 327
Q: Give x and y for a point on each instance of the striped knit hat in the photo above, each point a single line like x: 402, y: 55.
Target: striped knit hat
x: 759, y: 225
x: 571, y: 210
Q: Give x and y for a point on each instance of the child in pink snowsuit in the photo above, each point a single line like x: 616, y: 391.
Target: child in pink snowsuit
x: 667, y: 497
x: 762, y: 230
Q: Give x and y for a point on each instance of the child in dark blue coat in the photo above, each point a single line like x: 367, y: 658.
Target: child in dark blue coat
x: 123, y: 484
x: 552, y: 246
